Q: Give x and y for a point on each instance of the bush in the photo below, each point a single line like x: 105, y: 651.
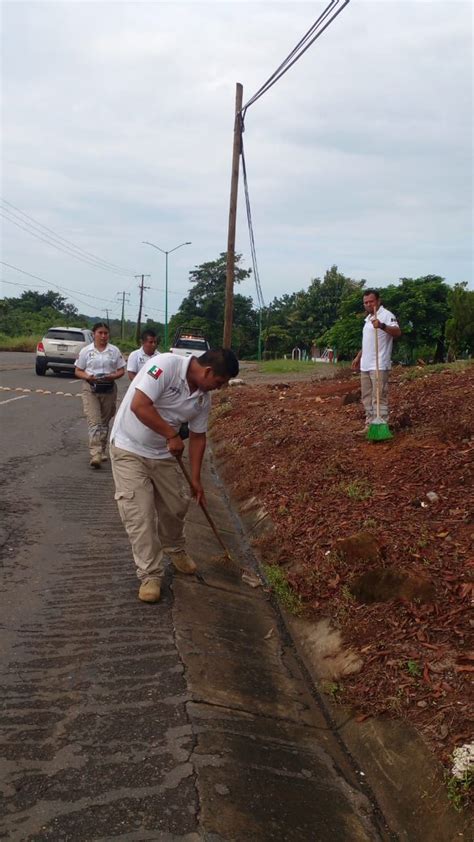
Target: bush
x: 18, y: 343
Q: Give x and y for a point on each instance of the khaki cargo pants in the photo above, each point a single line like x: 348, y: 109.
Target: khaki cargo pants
x: 99, y: 411
x: 152, y: 500
x: 368, y: 392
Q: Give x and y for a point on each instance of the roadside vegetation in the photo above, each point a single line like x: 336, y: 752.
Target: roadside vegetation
x: 437, y: 320
x: 26, y: 319
x: 292, y: 367
x: 284, y: 593
x: 376, y: 537
x: 19, y: 343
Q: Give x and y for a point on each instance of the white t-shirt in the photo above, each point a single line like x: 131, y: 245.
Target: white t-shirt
x: 385, y: 341
x: 137, y: 360
x: 93, y: 361
x: 164, y: 381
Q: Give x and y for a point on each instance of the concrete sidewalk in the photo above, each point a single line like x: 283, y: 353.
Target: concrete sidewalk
x: 267, y: 764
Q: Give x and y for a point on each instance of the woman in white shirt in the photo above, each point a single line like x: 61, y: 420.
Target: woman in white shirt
x: 99, y: 365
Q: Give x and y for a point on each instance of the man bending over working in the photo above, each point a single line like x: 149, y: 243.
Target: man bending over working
x: 145, y: 440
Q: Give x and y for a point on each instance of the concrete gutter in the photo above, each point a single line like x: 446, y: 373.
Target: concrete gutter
x: 268, y: 764
x: 404, y: 780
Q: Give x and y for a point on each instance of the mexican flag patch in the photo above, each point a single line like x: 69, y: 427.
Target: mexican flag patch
x: 155, y: 372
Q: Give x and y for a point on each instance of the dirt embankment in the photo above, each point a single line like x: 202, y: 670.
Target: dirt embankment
x: 401, y: 592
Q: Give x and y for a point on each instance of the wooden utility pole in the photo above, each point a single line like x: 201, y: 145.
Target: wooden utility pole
x: 142, y: 288
x: 234, y: 185
x: 124, y: 295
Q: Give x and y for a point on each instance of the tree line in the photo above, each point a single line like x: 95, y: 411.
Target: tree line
x: 437, y: 320
x: 33, y: 313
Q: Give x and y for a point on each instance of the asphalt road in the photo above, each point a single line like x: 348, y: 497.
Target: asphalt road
x: 84, y: 757
x: 183, y: 721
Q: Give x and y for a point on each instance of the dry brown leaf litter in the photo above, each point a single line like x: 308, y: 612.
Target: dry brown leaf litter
x: 293, y: 447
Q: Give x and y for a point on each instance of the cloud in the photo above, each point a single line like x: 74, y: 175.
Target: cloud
x: 117, y: 120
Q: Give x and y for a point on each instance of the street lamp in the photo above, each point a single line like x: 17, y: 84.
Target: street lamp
x: 163, y: 251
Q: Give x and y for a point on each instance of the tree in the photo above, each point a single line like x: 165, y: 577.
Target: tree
x: 325, y: 298
x: 307, y: 315
x: 37, y: 301
x: 345, y: 336
x: 460, y: 324
x: 277, y: 340
x: 34, y: 312
x: 203, y: 307
x: 421, y: 306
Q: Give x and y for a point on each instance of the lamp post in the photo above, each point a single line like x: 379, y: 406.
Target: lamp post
x: 163, y: 251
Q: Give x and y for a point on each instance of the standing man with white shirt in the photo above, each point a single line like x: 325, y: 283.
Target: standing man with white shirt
x: 138, y: 358
x: 99, y: 365
x: 145, y: 440
x: 378, y: 318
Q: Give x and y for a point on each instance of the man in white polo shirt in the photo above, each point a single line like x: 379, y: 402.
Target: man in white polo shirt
x: 378, y: 318
x: 138, y: 358
x: 149, y: 488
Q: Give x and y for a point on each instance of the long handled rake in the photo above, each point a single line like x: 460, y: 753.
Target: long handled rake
x: 228, y: 558
x: 378, y: 429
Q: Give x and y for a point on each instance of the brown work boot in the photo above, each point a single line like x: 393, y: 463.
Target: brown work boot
x: 96, y: 461
x: 150, y: 591
x: 183, y: 562
x: 362, y: 433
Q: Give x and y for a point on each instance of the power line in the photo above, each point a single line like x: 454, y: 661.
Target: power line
x: 260, y: 299
x: 170, y: 292
x: 51, y: 283
x: 69, y: 252
x: 19, y: 214
x: 72, y: 297
x: 147, y: 307
x: 326, y: 17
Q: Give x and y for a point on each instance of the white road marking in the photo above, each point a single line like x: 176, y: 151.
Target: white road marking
x: 19, y: 398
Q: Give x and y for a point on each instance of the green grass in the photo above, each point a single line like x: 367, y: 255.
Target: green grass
x: 282, y: 590
x: 413, y: 668
x: 29, y: 343
x: 459, y: 790
x: 333, y: 689
x: 358, y: 489
x: 294, y: 366
x: 427, y: 370
x: 18, y: 343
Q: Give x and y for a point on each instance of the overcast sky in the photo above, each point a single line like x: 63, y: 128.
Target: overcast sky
x: 117, y: 127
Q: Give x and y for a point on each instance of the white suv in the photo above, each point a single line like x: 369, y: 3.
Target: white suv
x: 189, y: 343
x: 59, y: 348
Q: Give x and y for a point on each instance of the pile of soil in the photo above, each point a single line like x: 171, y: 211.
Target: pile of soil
x: 294, y: 448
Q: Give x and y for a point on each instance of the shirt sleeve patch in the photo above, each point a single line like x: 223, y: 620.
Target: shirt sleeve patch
x: 155, y: 372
